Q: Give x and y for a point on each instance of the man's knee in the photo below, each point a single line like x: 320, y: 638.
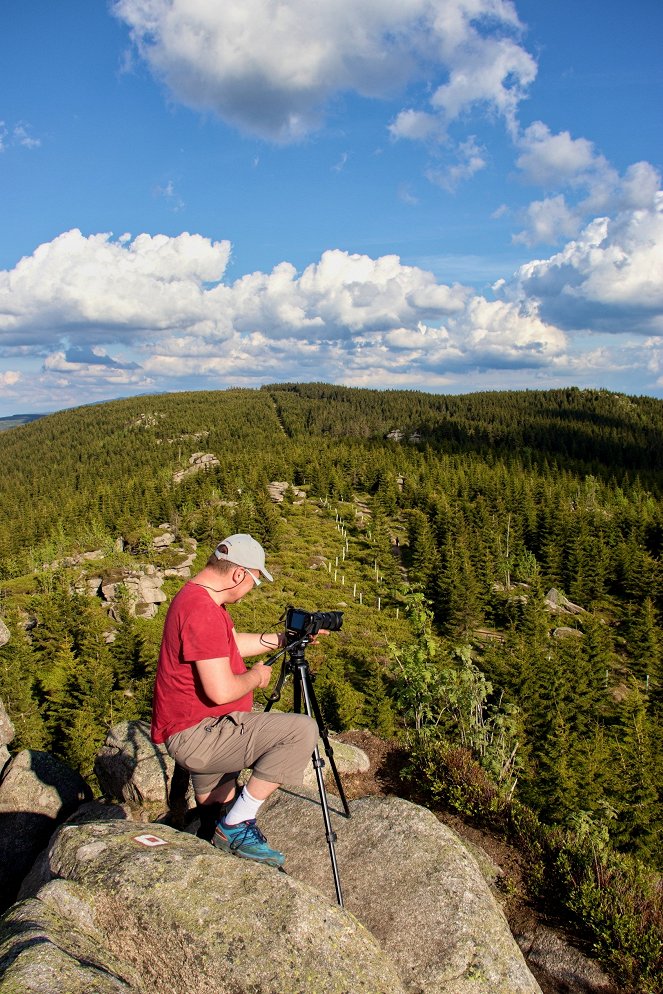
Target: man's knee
x: 311, y: 732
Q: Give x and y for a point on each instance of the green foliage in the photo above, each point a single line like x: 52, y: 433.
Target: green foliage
x: 444, y: 697
x: 612, y: 900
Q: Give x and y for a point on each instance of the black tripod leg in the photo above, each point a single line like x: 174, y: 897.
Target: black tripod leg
x: 330, y: 834
x: 318, y: 765
x: 297, y: 693
x: 329, y: 752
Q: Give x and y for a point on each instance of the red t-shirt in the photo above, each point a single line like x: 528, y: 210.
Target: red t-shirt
x: 195, y: 628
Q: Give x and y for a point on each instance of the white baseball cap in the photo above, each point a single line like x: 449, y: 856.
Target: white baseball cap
x: 242, y: 550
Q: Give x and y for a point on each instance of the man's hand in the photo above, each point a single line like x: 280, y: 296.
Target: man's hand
x: 222, y: 686
x: 313, y: 639
x: 263, y: 672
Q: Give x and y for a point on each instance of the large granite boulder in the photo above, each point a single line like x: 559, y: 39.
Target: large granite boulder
x: 347, y: 759
x: 170, y: 913
x: 37, y: 793
x: 130, y: 767
x: 410, y: 880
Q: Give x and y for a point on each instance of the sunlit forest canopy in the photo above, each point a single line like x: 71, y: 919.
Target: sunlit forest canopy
x: 99, y: 465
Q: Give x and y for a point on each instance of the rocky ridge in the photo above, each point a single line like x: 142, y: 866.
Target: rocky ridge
x: 118, y: 900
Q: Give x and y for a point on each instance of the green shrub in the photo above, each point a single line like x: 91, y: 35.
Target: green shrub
x: 612, y: 900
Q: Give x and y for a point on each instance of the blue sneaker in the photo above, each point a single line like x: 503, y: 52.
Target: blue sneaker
x: 246, y: 840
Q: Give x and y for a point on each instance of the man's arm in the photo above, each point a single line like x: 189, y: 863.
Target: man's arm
x: 223, y: 686
x: 253, y: 645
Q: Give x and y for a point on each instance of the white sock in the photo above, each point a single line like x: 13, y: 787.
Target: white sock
x: 245, y: 808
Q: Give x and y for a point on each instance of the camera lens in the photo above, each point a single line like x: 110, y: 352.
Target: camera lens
x: 331, y: 620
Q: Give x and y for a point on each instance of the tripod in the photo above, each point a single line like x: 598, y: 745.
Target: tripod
x: 295, y: 664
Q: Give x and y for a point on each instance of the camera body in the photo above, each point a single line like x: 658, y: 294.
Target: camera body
x: 300, y: 623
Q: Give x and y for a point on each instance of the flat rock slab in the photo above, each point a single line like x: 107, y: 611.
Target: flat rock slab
x: 412, y: 883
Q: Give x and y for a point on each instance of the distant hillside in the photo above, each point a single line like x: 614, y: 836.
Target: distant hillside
x: 14, y: 420
x: 98, y: 466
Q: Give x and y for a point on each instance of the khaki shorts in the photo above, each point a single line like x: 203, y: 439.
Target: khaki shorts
x: 275, y: 745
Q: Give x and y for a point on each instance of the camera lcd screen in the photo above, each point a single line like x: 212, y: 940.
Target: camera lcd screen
x: 298, y: 619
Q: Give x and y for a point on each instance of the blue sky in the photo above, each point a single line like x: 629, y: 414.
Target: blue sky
x: 447, y: 195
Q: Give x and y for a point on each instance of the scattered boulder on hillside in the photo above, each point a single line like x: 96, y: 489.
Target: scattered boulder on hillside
x: 37, y: 793
x: 277, y: 489
x: 412, y: 883
x: 163, y: 540
x: 5, y: 634
x: 567, y: 633
x: 171, y: 913
x: 183, y: 568
x: 396, y: 435
x: 564, y: 962
x: 6, y: 736
x: 89, y: 586
x: 198, y: 462
x: 142, y: 588
x: 77, y: 560
x: 558, y: 603
x: 130, y: 767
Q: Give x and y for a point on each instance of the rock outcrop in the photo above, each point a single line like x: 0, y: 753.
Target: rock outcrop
x: 143, y: 589
x: 198, y: 462
x: 558, y: 603
x: 413, y: 884
x: 120, y: 902
x: 37, y: 793
x: 123, y: 908
x: 277, y: 490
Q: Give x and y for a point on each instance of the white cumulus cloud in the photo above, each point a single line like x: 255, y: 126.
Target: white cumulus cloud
x: 588, y: 184
x: 271, y: 66
x: 109, y: 289
x: 610, y: 278
x: 154, y: 312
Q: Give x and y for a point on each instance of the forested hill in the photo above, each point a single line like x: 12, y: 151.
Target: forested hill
x: 597, y: 430
x: 109, y: 464
x: 497, y: 557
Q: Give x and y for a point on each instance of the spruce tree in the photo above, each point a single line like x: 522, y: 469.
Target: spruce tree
x: 636, y: 798
x: 18, y: 690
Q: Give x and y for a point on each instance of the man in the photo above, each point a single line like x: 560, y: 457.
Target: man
x: 203, y: 696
